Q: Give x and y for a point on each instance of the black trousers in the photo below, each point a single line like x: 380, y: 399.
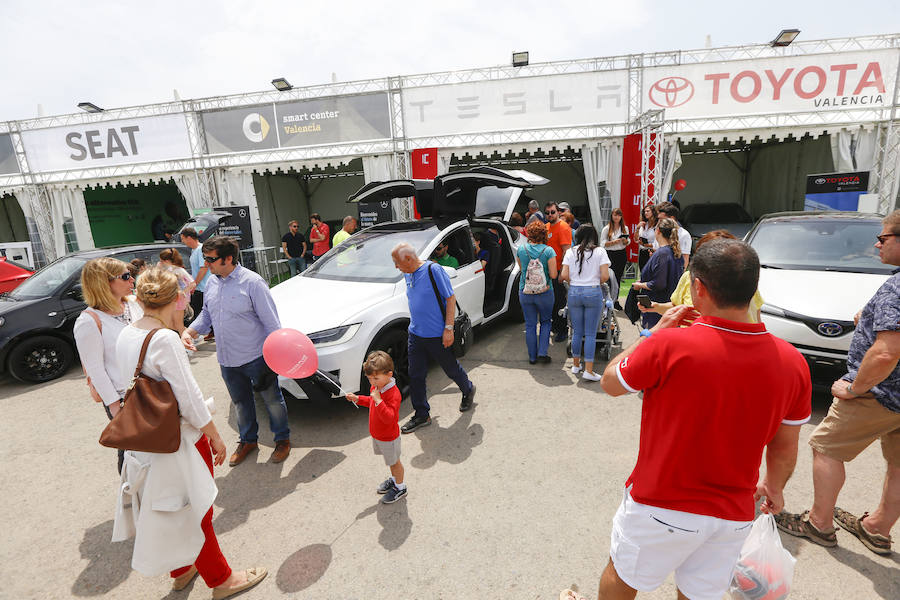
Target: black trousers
x: 120, y: 451
x: 643, y: 257
x: 558, y: 323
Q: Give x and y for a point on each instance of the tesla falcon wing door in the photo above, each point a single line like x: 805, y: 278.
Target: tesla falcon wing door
x: 480, y: 192
x: 385, y: 191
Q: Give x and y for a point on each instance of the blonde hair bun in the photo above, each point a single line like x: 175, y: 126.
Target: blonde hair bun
x: 156, y: 287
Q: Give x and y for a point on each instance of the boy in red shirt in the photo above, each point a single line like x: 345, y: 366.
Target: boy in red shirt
x: 384, y: 416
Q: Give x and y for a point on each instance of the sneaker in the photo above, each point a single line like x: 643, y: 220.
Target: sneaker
x: 414, y: 423
x: 385, y: 486
x: 466, y: 402
x: 393, y: 495
x: 576, y: 369
x: 587, y: 375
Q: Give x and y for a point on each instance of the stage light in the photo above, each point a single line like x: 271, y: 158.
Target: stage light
x: 89, y: 107
x: 785, y: 37
x: 281, y: 84
x: 520, y: 59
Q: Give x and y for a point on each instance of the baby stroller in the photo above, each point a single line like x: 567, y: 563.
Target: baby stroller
x: 607, y: 329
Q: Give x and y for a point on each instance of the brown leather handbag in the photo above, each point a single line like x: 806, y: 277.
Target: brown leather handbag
x: 148, y: 420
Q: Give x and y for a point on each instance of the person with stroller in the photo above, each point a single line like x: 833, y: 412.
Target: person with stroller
x: 662, y: 272
x: 537, y: 263
x: 586, y: 267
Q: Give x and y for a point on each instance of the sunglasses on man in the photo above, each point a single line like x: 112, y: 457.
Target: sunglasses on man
x: 211, y: 259
x: 882, y: 239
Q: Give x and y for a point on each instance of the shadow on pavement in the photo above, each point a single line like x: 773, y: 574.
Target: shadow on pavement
x: 268, y: 485
x: 394, y: 520
x: 303, y: 568
x: 452, y: 444
x: 109, y: 563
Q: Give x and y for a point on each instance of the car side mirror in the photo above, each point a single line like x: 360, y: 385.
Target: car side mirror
x: 75, y: 293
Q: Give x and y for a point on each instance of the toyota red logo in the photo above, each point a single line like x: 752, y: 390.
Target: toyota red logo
x: 670, y: 92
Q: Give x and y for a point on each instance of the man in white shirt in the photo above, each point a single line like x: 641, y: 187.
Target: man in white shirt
x: 667, y: 209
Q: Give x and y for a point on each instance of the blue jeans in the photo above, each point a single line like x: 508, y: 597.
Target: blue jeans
x: 240, y: 382
x: 296, y: 264
x: 537, y: 307
x: 420, y: 351
x: 585, y: 305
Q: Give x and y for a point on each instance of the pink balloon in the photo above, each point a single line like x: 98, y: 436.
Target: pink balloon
x: 290, y: 353
x: 680, y: 184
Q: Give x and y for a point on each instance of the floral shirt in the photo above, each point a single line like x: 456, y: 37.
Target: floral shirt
x: 882, y: 313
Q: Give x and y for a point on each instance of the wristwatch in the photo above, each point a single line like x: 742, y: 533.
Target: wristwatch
x: 448, y: 327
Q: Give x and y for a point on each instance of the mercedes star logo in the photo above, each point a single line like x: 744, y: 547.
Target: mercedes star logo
x: 670, y: 92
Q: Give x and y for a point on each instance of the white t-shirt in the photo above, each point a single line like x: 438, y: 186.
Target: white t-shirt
x: 590, y: 269
x: 649, y: 234
x: 621, y: 243
x: 98, y: 351
x: 684, y: 239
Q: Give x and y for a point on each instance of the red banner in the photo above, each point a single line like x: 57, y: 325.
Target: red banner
x: 630, y: 197
x: 425, y: 163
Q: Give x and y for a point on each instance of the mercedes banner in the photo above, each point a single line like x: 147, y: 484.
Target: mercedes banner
x: 295, y: 124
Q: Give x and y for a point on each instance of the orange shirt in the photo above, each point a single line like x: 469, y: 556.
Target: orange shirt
x: 559, y: 234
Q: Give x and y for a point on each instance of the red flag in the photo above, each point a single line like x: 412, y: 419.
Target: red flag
x: 425, y: 163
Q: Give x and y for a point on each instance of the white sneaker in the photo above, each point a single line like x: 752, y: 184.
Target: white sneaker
x: 576, y: 370
x: 591, y: 376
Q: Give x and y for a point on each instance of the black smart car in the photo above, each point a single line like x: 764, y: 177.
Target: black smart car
x: 36, y: 318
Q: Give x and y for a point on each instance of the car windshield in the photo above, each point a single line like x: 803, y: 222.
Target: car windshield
x: 47, y: 280
x: 820, y: 245
x: 716, y: 213
x: 367, y: 256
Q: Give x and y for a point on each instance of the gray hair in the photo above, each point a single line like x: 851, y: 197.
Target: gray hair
x: 533, y: 205
x: 404, y: 250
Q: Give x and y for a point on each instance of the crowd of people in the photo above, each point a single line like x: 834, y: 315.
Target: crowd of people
x: 700, y: 487
x: 298, y: 252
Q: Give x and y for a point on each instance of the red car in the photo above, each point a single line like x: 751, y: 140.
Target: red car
x: 12, y: 274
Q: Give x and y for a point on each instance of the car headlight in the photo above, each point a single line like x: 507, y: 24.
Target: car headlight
x: 335, y: 335
x: 2, y: 321
x: 769, y: 309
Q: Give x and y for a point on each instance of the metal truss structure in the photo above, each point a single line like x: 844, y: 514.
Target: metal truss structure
x: 650, y: 125
x: 206, y: 168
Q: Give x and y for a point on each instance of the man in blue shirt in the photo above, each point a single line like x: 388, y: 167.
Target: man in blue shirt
x: 866, y: 408
x: 430, y: 332
x: 199, y: 271
x: 238, y: 304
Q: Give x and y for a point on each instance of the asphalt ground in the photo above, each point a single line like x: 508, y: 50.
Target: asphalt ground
x: 513, y: 499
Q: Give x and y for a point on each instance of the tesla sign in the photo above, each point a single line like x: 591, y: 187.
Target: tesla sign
x: 789, y: 84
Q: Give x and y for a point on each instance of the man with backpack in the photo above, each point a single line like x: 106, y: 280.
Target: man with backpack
x: 430, y: 331
x: 537, y: 265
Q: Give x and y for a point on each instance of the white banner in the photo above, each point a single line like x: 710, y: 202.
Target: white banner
x: 773, y: 85
x: 107, y: 143
x: 566, y: 100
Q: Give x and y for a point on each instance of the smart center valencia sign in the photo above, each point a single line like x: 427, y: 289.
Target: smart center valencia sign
x: 809, y: 83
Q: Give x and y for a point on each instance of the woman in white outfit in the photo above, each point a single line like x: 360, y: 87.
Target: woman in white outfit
x: 105, y: 284
x: 166, y: 499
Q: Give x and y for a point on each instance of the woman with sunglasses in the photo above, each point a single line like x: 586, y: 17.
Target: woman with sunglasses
x: 106, y: 284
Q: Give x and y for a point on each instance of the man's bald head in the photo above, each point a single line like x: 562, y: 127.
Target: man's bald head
x: 405, y: 258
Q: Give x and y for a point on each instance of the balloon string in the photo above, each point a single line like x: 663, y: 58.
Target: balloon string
x: 340, y: 389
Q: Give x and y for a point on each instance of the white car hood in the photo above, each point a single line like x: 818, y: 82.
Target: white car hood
x: 311, y: 304
x: 820, y: 294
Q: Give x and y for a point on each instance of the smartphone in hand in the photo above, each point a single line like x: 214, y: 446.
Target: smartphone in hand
x: 644, y: 301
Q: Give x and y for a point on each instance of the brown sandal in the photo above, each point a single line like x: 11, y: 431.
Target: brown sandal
x: 799, y: 526
x: 875, y: 542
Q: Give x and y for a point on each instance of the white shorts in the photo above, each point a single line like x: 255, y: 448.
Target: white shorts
x: 389, y: 450
x: 648, y: 543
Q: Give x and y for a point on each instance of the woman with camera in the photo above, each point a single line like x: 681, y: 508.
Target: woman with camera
x: 173, y: 526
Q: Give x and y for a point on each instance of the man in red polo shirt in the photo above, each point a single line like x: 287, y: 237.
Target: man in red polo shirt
x: 715, y: 395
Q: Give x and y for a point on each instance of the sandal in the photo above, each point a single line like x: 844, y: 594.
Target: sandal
x: 182, y: 581
x: 875, y: 542
x: 254, y: 576
x: 569, y: 594
x: 799, y: 526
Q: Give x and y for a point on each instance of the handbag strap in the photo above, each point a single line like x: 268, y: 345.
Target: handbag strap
x: 140, y: 363
x: 437, y: 295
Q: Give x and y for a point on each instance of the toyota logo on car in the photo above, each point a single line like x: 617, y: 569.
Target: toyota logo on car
x: 830, y: 329
x: 670, y: 92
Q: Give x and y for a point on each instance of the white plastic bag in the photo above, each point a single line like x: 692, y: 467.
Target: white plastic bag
x: 765, y: 570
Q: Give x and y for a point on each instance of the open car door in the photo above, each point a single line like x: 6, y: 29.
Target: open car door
x: 481, y: 192
x: 385, y: 191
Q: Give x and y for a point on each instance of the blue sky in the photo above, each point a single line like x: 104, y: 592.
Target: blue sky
x: 121, y: 53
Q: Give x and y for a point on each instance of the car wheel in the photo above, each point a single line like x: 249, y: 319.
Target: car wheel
x: 40, y: 359
x: 395, y: 343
